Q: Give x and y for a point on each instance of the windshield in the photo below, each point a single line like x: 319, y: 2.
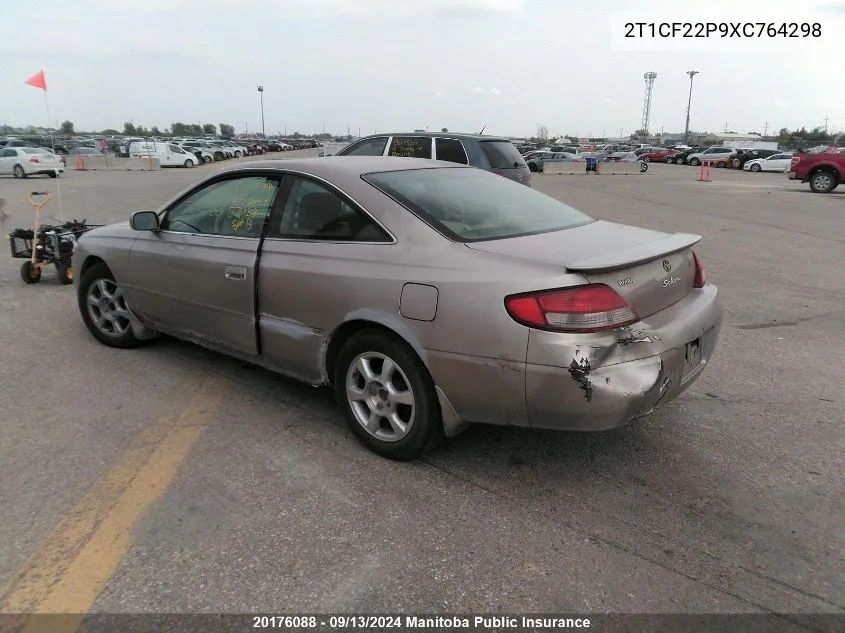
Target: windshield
x: 472, y: 205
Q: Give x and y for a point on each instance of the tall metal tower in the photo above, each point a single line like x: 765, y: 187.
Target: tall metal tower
x: 649, y: 86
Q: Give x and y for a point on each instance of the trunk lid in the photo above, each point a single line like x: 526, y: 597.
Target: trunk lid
x: 651, y: 270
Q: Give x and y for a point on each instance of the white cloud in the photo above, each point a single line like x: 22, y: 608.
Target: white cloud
x: 478, y: 90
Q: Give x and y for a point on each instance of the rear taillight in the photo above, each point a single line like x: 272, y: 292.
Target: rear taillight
x: 590, y: 308
x: 795, y: 161
x: 34, y: 159
x: 700, y: 279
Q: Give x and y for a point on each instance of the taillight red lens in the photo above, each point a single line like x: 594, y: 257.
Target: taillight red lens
x: 34, y: 159
x: 700, y: 278
x: 589, y: 308
x: 795, y: 161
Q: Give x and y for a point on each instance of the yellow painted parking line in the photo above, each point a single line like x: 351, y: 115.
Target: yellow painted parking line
x: 70, y: 568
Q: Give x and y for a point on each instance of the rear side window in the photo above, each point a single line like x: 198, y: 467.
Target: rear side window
x: 372, y: 147
x: 410, y: 147
x: 470, y: 205
x: 502, y: 154
x: 315, y: 212
x: 451, y: 150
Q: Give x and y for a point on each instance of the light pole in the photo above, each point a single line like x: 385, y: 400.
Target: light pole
x: 691, y: 73
x: 261, y: 93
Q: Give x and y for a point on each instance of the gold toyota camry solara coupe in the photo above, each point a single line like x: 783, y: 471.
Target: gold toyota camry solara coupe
x: 428, y: 295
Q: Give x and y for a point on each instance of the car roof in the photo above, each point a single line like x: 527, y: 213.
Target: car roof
x: 462, y: 135
x: 332, y: 166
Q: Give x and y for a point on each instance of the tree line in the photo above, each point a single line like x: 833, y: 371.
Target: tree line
x: 131, y: 129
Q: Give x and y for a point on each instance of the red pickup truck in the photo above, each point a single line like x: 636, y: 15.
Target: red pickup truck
x: 823, y: 170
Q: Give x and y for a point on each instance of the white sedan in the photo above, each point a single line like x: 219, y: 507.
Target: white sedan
x: 777, y: 162
x: 21, y: 162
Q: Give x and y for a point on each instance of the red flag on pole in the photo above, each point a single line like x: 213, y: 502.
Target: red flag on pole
x: 37, y: 81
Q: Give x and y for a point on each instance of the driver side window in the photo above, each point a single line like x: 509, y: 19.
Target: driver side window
x: 237, y: 207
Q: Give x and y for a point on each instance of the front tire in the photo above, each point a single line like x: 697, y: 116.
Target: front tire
x: 670, y: 160
x: 755, y: 167
x: 53, y: 174
x: 189, y: 163
x: 646, y: 159
x: 31, y: 274
x: 387, y: 395
x: 103, y: 308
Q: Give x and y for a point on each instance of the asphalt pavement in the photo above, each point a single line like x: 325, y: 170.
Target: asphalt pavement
x: 173, y: 479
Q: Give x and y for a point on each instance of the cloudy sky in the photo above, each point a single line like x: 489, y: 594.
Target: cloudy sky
x: 379, y: 65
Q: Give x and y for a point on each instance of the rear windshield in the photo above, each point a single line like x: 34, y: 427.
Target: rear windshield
x: 473, y: 205
x: 502, y: 154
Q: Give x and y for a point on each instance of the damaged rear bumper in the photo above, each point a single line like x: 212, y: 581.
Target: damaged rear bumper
x: 598, y: 382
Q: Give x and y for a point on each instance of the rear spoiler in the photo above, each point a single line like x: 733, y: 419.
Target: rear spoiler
x: 636, y: 255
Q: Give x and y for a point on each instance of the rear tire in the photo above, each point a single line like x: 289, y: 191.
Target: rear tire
x: 65, y: 274
x: 670, y: 160
x: 18, y: 172
x: 387, y: 395
x: 53, y: 174
x: 646, y: 159
x: 823, y: 182
x: 721, y: 164
x: 736, y: 163
x: 30, y: 274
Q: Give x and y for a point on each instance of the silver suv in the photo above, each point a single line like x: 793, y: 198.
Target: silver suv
x: 490, y: 153
x: 718, y: 156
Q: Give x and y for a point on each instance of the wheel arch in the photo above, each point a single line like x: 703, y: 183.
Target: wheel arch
x: 89, y: 261
x: 828, y: 168
x: 357, y: 323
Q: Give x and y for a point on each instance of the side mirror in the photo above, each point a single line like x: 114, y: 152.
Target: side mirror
x: 144, y: 221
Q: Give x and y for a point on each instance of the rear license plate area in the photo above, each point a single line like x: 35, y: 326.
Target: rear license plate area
x: 692, y: 356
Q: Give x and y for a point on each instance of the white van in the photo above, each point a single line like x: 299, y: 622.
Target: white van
x: 168, y: 154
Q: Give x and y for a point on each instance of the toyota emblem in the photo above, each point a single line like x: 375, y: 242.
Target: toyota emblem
x: 667, y: 265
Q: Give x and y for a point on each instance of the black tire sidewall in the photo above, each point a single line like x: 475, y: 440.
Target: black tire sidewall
x: 427, y: 426
x: 62, y: 272
x: 26, y: 276
x: 817, y: 189
x: 18, y: 171
x: 95, y: 273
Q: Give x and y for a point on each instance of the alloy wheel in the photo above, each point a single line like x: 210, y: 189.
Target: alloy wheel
x: 107, y: 308
x: 380, y: 396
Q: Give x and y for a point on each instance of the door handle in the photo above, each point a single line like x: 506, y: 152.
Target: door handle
x: 238, y: 273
